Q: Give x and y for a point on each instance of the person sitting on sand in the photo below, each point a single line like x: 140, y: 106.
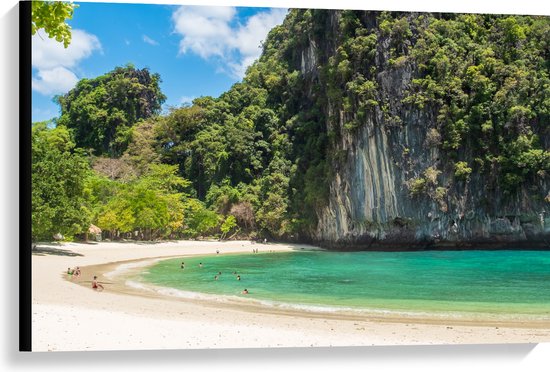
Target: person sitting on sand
x: 70, y: 272
x: 77, y: 272
x: 95, y: 284
x: 245, y: 291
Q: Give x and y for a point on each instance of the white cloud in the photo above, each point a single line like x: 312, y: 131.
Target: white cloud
x: 150, y: 41
x: 54, y: 81
x: 214, y: 33
x: 56, y: 64
x: 48, y: 53
x: 204, y: 29
x: 248, y: 38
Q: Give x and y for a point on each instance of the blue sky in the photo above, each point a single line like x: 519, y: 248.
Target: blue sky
x: 197, y: 50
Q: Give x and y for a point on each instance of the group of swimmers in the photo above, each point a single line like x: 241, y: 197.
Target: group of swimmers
x: 182, y: 266
x: 217, y: 276
x: 76, y: 273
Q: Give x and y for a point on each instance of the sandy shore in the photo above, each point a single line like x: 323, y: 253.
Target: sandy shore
x: 69, y: 316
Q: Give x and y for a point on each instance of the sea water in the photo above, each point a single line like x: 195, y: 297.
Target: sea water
x: 496, y: 282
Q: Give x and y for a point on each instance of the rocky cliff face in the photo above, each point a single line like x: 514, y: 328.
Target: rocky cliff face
x: 372, y: 203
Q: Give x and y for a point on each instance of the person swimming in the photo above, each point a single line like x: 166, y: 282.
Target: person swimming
x: 182, y: 265
x: 200, y: 264
x: 238, y: 277
x: 215, y: 277
x: 245, y: 291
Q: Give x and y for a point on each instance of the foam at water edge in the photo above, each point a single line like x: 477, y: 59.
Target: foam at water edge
x: 124, y: 268
x: 173, y: 292
x: 439, y: 314
x: 343, y: 310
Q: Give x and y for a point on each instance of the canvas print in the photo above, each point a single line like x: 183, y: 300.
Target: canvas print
x: 231, y: 177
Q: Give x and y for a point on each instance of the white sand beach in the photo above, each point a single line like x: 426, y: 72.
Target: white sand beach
x: 68, y: 315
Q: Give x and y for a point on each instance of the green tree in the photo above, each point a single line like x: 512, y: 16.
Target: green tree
x: 221, y: 198
x: 143, y: 147
x: 59, y: 173
x: 102, y: 111
x: 198, y: 220
x: 228, y: 224
x: 52, y: 16
x: 272, y: 215
x: 152, y: 204
x: 117, y: 215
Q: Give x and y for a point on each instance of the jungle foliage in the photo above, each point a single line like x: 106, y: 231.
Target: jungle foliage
x: 258, y: 159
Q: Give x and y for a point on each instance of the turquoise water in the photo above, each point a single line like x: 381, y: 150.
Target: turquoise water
x: 497, y: 282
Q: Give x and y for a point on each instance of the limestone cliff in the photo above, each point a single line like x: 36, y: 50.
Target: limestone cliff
x: 392, y: 183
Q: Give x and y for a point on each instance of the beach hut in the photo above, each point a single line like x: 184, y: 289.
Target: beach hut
x: 95, y: 233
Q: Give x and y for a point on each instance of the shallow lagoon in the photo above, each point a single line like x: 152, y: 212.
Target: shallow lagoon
x: 490, y: 282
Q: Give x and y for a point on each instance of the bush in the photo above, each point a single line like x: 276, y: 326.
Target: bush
x: 462, y: 171
x: 417, y: 186
x: 433, y: 138
x: 431, y: 174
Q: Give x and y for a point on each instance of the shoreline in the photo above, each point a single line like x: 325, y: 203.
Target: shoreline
x: 76, y: 308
